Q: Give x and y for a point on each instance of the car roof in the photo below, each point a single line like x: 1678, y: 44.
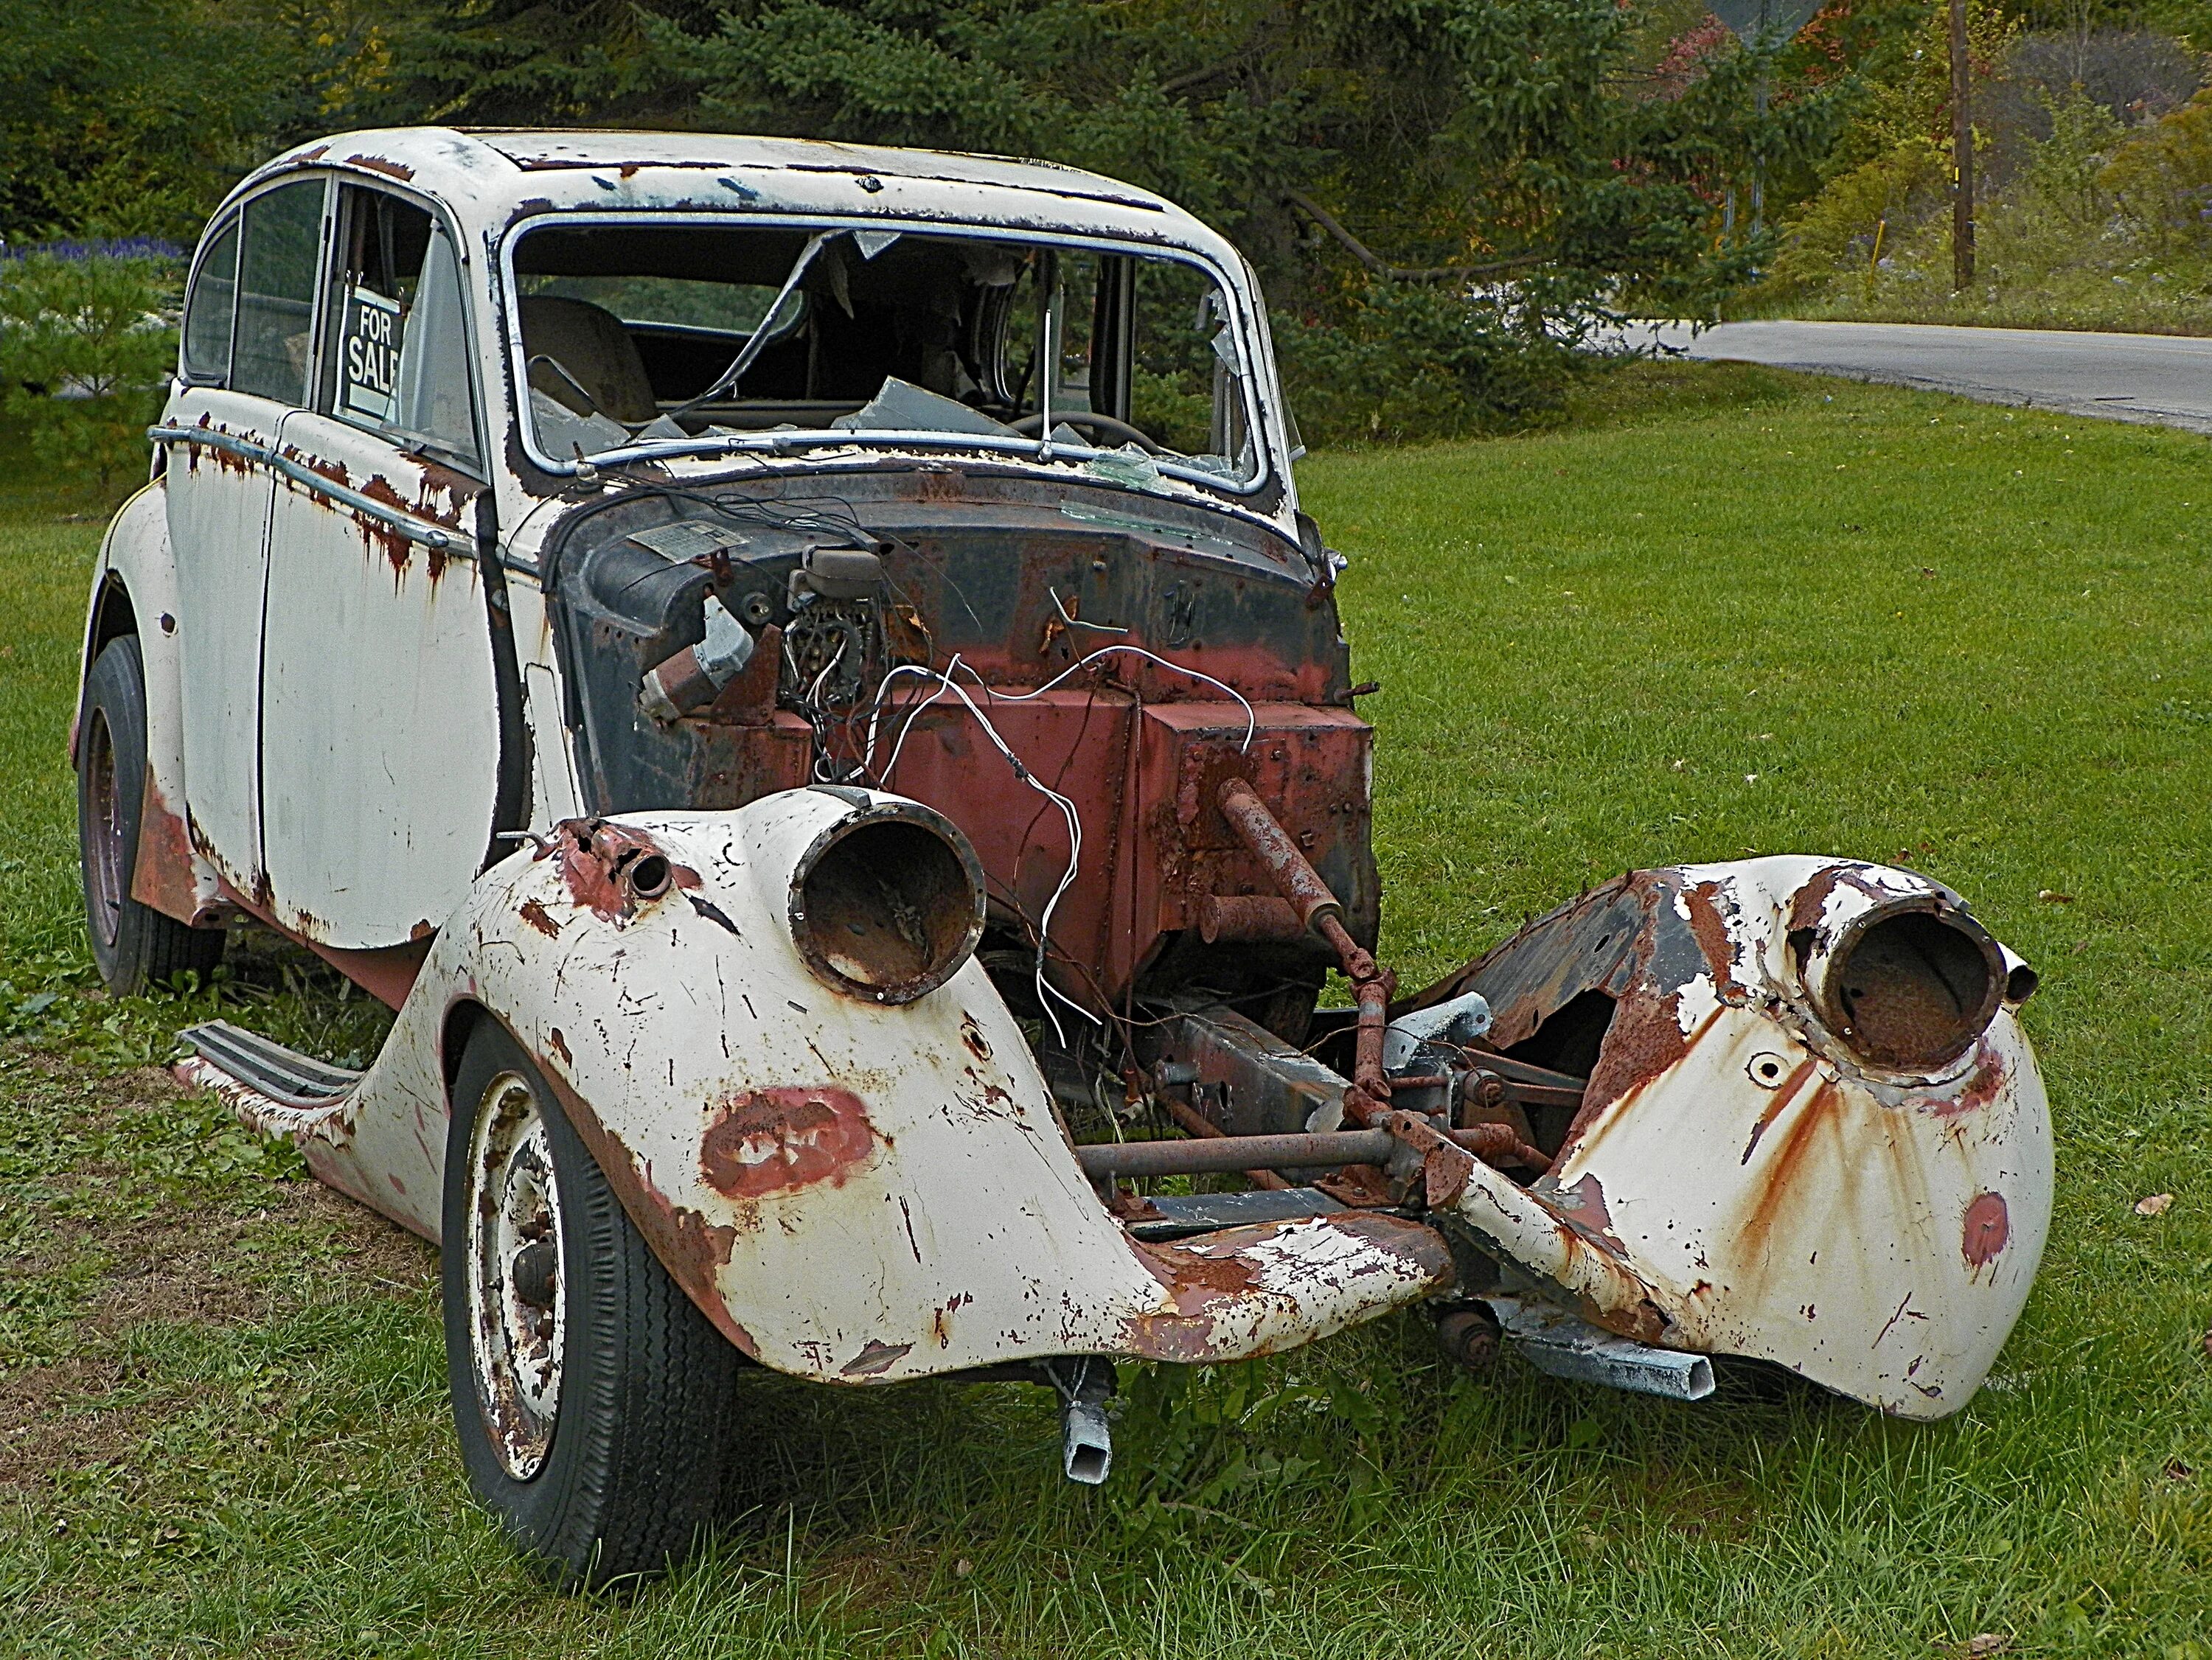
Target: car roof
x: 490, y: 178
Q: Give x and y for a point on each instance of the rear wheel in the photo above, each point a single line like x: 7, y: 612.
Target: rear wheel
x: 592, y: 1399
x: 133, y: 945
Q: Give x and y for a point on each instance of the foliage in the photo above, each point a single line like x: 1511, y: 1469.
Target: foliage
x: 122, y: 117
x: 1339, y: 144
x: 2095, y: 168
x: 86, y: 340
x: 2161, y: 181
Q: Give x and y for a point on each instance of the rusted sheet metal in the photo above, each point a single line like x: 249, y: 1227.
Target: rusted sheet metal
x: 169, y: 875
x: 745, y: 1112
x: 1156, y: 849
x: 1260, y: 1290
x: 1750, y: 1175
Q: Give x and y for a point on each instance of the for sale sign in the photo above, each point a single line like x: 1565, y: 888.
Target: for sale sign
x: 368, y: 360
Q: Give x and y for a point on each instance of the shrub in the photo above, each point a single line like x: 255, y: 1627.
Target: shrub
x: 1394, y: 361
x: 88, y: 335
x: 2162, y: 177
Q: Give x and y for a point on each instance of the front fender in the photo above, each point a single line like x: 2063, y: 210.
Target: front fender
x: 853, y: 1190
x: 135, y: 571
x: 1740, y: 1180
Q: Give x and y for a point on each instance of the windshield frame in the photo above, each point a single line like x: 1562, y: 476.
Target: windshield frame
x: 1261, y: 420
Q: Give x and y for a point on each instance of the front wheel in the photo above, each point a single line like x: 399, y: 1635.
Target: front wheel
x: 592, y: 1399
x: 133, y: 945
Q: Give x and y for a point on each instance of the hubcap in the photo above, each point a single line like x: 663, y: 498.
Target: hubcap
x: 515, y: 1316
x: 103, y: 853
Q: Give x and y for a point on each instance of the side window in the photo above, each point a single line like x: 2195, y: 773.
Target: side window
x: 400, y: 362
x: 207, y: 314
x: 277, y: 292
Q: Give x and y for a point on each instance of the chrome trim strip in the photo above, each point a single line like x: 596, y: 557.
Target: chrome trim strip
x: 415, y: 530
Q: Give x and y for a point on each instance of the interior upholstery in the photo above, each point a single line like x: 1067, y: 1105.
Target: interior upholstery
x: 590, y: 342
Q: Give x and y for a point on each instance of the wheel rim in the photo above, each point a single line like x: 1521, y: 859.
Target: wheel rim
x: 516, y: 1320
x: 103, y: 852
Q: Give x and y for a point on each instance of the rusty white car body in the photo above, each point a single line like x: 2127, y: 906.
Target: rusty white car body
x: 621, y: 599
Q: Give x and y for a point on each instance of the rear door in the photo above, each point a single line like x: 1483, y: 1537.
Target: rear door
x: 249, y: 348
x: 380, y: 718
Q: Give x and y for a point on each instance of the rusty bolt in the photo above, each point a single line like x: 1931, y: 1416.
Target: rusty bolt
x: 1468, y: 1337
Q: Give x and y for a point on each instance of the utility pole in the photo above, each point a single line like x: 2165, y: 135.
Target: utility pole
x: 1962, y: 153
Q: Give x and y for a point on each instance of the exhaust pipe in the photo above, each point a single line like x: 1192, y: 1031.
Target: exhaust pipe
x: 1085, y: 1385
x: 1557, y: 1342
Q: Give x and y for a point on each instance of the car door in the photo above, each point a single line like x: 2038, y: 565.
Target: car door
x: 248, y: 351
x: 380, y: 712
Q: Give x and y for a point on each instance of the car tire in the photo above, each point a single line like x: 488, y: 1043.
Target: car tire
x: 598, y: 1434
x: 133, y: 945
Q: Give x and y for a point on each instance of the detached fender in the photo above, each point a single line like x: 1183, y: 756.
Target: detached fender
x: 134, y: 590
x: 1814, y: 1133
x: 854, y: 1189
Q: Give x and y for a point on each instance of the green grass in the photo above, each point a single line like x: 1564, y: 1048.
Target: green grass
x: 1725, y: 610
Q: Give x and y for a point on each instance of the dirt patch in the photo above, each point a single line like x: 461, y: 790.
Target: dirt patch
x: 64, y: 1415
x: 236, y: 1256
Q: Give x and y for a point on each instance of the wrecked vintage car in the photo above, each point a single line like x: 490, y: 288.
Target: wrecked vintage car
x: 799, y: 672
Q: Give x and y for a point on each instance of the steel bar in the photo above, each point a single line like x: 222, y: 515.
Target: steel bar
x: 1307, y: 1152
x: 1200, y: 1125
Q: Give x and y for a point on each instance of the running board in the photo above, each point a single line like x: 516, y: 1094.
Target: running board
x: 273, y: 1089
x: 1180, y: 1216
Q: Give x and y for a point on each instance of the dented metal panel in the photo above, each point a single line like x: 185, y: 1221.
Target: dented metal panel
x: 745, y: 1112
x: 1740, y: 1179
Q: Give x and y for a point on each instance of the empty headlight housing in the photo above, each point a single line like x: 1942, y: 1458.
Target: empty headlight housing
x: 887, y: 903
x: 1909, y: 985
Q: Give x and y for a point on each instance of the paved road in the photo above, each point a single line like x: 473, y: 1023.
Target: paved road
x: 2162, y: 378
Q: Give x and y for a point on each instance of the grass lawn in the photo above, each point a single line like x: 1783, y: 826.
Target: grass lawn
x: 1723, y: 611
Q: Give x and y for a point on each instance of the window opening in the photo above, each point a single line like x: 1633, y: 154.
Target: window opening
x: 278, y: 259
x: 400, y: 360
x: 665, y: 332
x: 208, y: 313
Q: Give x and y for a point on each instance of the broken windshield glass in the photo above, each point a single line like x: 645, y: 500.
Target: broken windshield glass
x: 673, y: 330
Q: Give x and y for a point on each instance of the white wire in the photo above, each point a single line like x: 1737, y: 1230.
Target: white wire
x: 1251, y: 720
x: 945, y: 683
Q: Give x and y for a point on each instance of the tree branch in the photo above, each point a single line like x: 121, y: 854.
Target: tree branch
x: 1374, y: 262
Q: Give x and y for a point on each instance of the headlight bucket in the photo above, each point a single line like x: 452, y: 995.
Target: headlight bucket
x: 887, y: 903
x: 1910, y: 984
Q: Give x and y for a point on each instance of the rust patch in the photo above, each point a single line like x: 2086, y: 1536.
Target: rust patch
x: 1582, y: 1208
x: 770, y: 1140
x: 1812, y: 898
x: 1784, y: 1092
x: 1644, y: 1040
x: 692, y: 1250
x: 1213, y: 1282
x: 161, y: 872
x: 535, y: 913
x: 1710, y: 927
x: 611, y: 870
x: 398, y: 170
x: 1988, y: 1226
x: 972, y: 1035
x: 559, y: 1046
x: 1774, y: 1194
x: 1978, y: 1089
x: 397, y: 548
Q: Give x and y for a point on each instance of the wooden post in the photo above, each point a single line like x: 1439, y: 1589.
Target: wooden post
x: 1962, y: 153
